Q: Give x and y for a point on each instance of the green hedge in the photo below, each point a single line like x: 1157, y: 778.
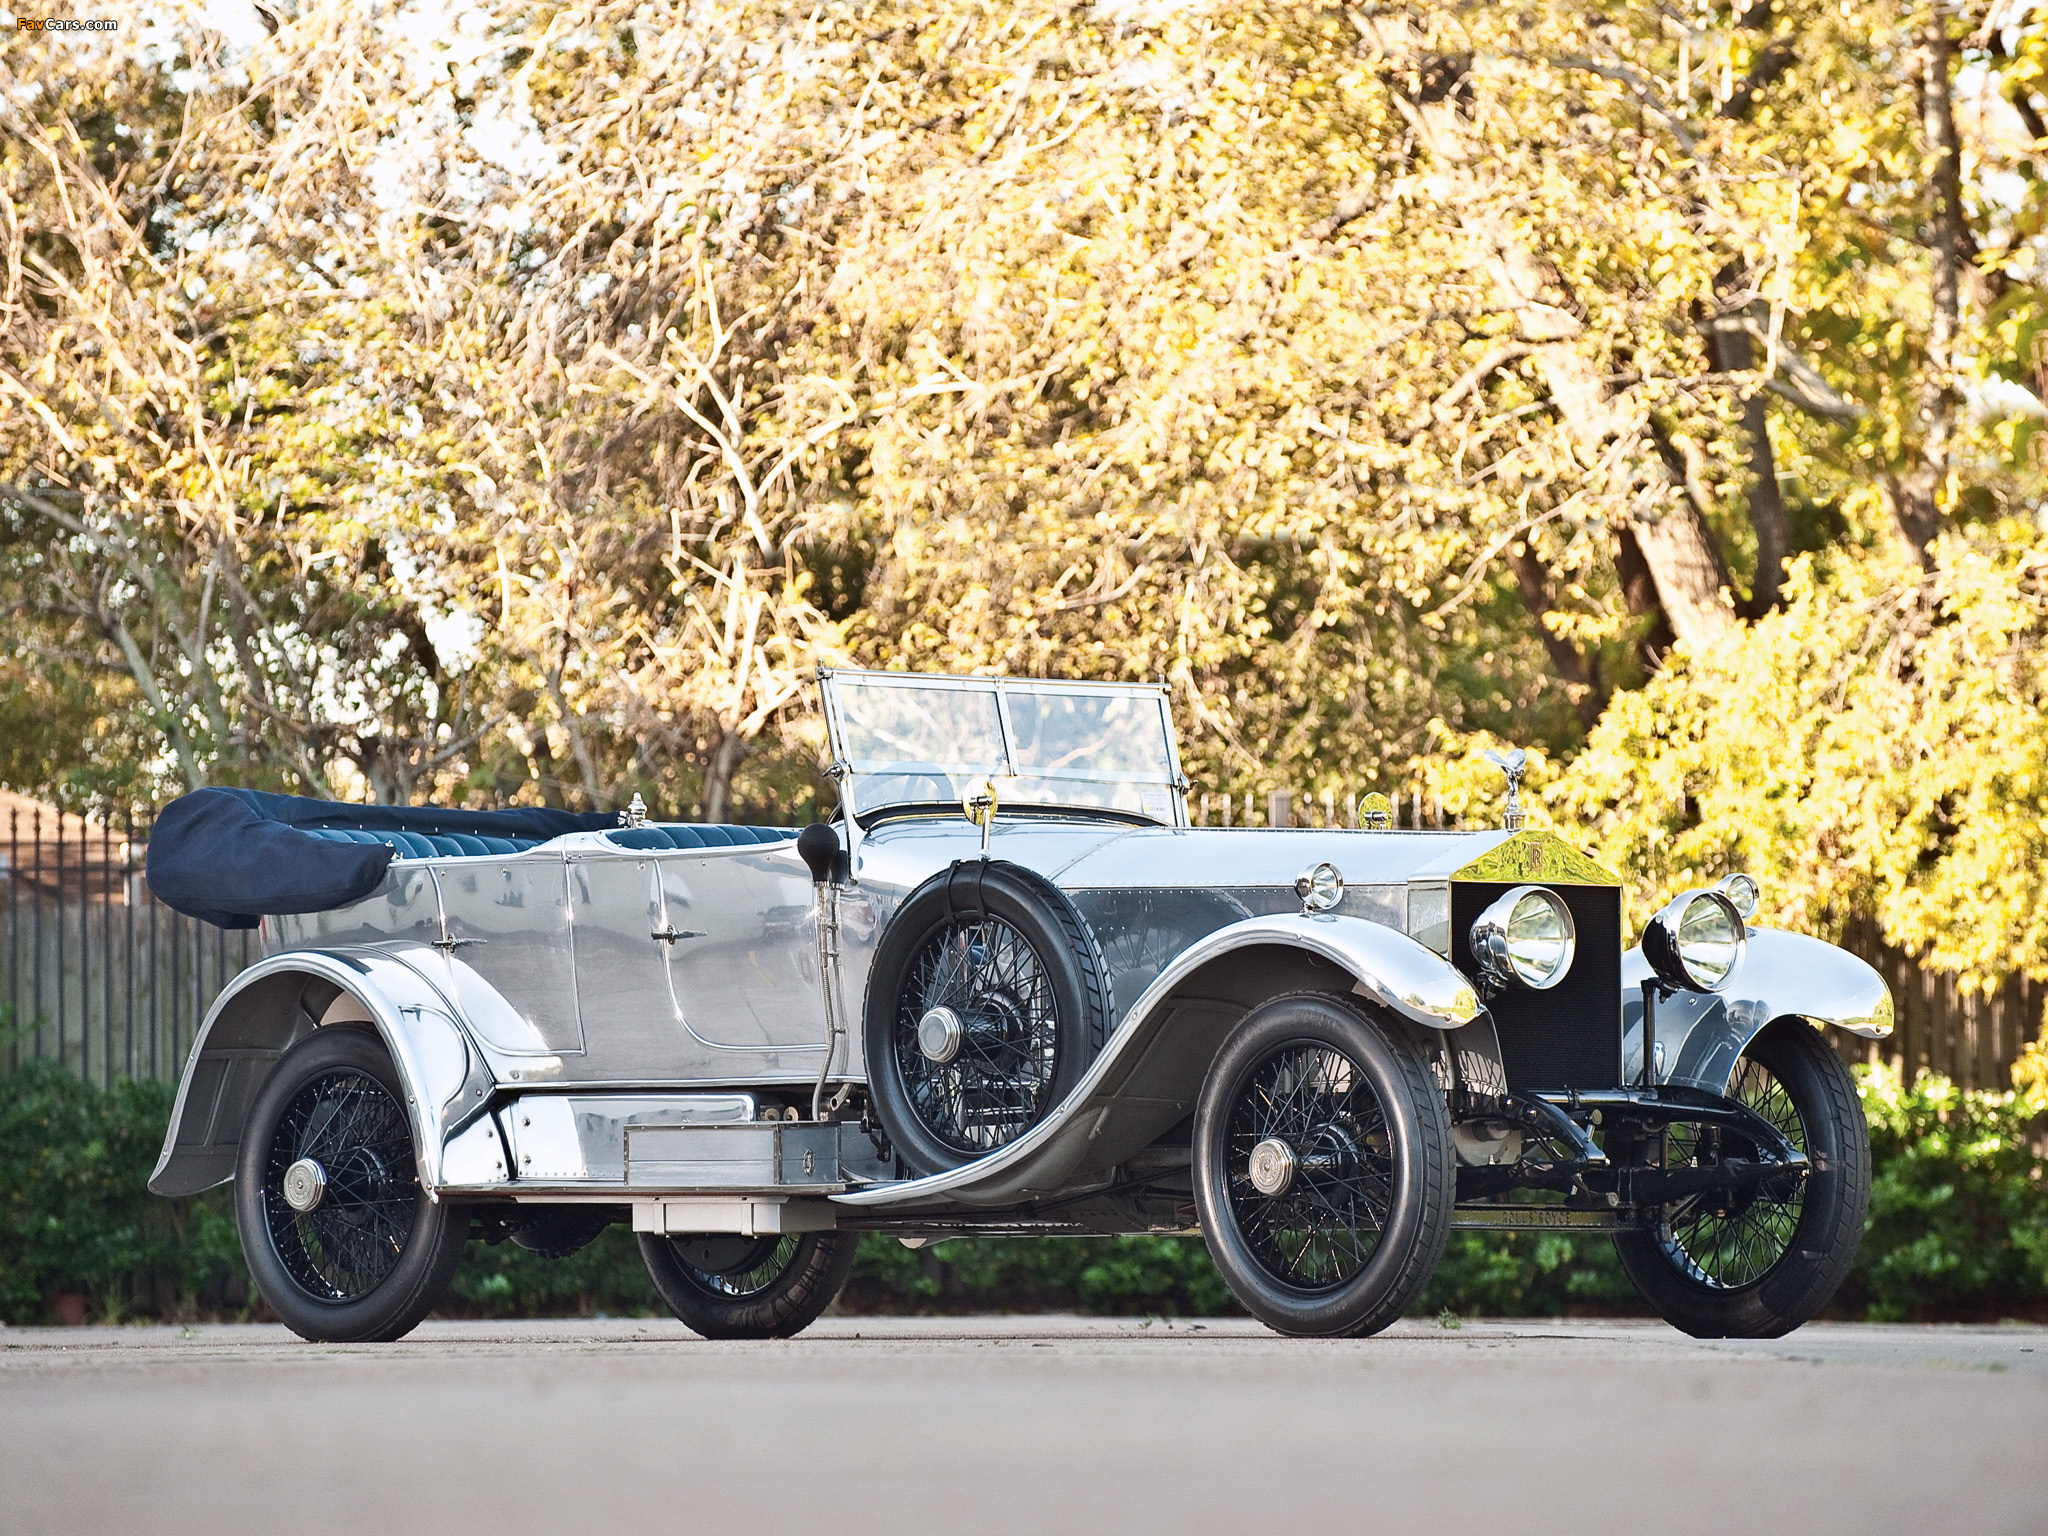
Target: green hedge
x: 1959, y: 1230
x: 75, y: 1217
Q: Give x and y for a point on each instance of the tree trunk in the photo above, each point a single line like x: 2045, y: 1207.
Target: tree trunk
x: 723, y: 763
x: 1914, y: 493
x: 1639, y: 591
x: 1676, y: 546
x: 1732, y: 351
x: 1675, y: 543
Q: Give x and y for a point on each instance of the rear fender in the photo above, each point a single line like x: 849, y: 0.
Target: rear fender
x: 279, y: 1001
x: 1151, y: 1069
x: 1700, y: 1035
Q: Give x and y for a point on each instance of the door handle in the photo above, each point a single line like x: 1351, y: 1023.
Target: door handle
x: 671, y: 933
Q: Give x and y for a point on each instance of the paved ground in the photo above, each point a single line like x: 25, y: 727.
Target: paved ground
x: 1023, y: 1424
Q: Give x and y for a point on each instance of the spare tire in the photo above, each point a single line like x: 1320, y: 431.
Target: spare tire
x: 987, y: 1001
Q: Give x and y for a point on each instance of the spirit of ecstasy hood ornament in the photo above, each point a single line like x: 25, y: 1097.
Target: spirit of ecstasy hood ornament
x: 1514, y: 764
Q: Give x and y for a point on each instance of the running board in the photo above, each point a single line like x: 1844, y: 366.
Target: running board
x: 1547, y: 1218
x: 760, y: 1217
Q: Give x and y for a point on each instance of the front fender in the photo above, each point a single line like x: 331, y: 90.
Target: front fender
x: 1151, y: 1068
x: 279, y: 1001
x: 1701, y: 1034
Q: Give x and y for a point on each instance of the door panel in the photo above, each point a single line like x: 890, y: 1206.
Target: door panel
x: 732, y: 998
x: 629, y: 1024
x: 511, y: 921
x: 748, y: 979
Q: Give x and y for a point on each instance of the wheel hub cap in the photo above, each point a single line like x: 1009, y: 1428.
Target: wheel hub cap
x: 939, y: 1034
x: 1272, y: 1166
x: 305, y: 1185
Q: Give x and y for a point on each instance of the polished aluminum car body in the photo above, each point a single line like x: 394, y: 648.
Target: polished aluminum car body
x: 617, y: 1017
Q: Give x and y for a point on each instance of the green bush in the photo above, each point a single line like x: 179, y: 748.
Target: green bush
x: 1528, y: 1274
x: 1958, y: 1229
x: 1959, y: 1209
x: 504, y: 1280
x: 1133, y: 1276
x: 75, y: 1215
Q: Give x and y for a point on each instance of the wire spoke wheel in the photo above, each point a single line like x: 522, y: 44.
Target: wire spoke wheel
x: 1321, y: 1228
x: 730, y: 1286
x: 986, y: 1001
x: 736, y: 1268
x: 353, y: 1128
x: 1756, y: 1260
x: 340, y: 1238
x: 1725, y: 1242
x: 999, y: 1080
x: 1322, y: 1167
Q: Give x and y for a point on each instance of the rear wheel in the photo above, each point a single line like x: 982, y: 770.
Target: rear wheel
x: 340, y: 1238
x: 1757, y: 1264
x: 1323, y: 1169
x: 726, y: 1286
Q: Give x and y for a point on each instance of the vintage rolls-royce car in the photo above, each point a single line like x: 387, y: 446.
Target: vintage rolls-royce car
x: 1007, y: 989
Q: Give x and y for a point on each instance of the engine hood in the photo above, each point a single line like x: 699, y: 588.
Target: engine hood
x: 1081, y: 856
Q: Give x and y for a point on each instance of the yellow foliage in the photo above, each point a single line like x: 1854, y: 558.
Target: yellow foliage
x: 1876, y: 748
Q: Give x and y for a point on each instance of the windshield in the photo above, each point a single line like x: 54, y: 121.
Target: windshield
x: 908, y: 739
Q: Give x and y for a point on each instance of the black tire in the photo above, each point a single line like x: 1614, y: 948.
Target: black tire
x: 1773, y: 1260
x: 730, y: 1287
x: 1366, y: 1203
x: 1006, y: 952
x: 371, y: 1259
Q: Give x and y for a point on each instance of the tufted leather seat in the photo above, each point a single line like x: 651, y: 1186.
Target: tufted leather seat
x: 424, y: 845
x: 456, y: 845
x: 691, y: 834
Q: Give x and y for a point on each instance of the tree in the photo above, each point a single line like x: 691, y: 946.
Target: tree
x: 522, y: 410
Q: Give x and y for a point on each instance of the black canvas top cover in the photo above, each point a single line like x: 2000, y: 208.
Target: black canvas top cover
x: 231, y: 856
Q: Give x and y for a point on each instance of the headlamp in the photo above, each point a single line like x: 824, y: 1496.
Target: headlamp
x: 1697, y: 941
x: 1525, y: 939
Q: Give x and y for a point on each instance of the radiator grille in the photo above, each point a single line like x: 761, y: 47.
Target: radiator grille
x: 1569, y: 1036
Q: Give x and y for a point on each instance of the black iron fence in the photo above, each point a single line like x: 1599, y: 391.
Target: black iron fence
x: 94, y: 972
x: 97, y: 974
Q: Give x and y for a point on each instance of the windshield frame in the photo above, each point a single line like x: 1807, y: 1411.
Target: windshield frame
x: 848, y: 772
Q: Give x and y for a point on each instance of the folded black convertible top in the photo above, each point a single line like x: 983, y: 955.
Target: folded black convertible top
x: 232, y: 856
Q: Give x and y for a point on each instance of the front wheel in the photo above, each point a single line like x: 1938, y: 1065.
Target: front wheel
x: 340, y: 1238
x: 732, y: 1287
x: 1323, y: 1168
x: 1757, y: 1264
